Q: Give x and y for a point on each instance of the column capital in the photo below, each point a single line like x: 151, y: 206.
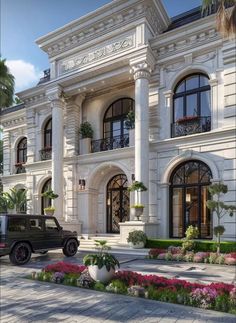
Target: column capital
x: 55, y: 96
x: 141, y: 70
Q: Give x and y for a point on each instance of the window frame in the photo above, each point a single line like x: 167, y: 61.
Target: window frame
x: 22, y: 147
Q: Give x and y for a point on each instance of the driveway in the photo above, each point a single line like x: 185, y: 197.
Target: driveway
x: 23, y: 300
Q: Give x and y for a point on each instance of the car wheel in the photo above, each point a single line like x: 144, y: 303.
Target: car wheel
x: 70, y: 248
x: 43, y: 252
x: 20, y: 254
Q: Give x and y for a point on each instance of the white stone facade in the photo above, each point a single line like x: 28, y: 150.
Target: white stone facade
x: 123, y: 50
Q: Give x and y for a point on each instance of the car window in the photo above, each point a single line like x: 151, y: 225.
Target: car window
x: 36, y: 224
x: 2, y: 224
x: 16, y: 224
x: 50, y: 225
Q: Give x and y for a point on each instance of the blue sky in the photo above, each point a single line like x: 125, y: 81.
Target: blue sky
x: 23, y: 21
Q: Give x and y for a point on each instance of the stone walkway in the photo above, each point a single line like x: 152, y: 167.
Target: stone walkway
x: 23, y: 300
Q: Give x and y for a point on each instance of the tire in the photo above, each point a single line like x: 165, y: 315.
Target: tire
x: 70, y: 248
x: 20, y: 254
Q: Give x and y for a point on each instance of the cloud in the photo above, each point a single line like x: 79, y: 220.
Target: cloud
x: 26, y: 74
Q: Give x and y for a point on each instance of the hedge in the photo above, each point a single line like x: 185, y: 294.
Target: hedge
x: 225, y: 246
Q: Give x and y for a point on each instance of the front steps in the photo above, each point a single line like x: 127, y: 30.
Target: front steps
x: 113, y: 241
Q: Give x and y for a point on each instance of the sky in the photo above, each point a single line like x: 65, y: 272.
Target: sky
x: 24, y: 21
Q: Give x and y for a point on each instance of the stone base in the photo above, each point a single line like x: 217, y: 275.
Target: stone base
x: 125, y: 227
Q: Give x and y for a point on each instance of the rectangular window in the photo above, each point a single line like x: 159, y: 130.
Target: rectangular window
x: 50, y: 225
x: 16, y: 224
x: 36, y: 224
x: 205, y: 104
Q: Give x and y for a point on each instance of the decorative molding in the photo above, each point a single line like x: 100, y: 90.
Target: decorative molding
x: 35, y: 99
x: 96, y: 55
x: 76, y: 36
x: 189, y: 60
x: 141, y: 70
x: 14, y: 122
x: 186, y: 43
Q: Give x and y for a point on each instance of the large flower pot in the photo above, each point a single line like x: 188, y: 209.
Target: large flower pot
x: 48, y: 212
x: 102, y: 274
x: 138, y: 245
x: 136, y: 212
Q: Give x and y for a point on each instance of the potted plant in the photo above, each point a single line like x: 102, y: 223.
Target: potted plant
x: 136, y: 210
x: 51, y: 196
x: 101, y: 266
x: 137, y: 239
x: 86, y: 132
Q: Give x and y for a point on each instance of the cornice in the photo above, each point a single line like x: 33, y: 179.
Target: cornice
x: 185, y: 38
x: 103, y: 21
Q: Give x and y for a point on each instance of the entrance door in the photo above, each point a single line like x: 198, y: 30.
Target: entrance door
x: 117, y: 203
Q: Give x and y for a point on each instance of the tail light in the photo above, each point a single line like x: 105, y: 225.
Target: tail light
x: 3, y: 245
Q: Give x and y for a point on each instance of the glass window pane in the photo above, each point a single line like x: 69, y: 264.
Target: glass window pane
x: 203, y: 80
x: 36, y: 224
x: 16, y: 224
x: 117, y: 108
x: 177, y: 212
x: 191, y: 173
x: 191, y: 200
x: 178, y: 108
x: 181, y: 87
x: 127, y: 106
x: 50, y: 224
x: 116, y: 128
x: 206, y: 222
x: 205, y: 104
x: 191, y: 105
x: 108, y: 113
x: 192, y: 82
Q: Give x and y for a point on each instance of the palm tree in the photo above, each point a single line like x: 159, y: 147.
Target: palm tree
x: 6, y: 85
x: 17, y: 199
x: 225, y: 15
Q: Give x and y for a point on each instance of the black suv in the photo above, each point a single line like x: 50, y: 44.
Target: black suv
x: 20, y: 235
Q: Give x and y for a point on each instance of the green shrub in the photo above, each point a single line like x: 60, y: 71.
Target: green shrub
x: 99, y: 286
x: 226, y: 246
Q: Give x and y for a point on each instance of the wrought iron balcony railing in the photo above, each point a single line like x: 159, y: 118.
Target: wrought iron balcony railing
x: 110, y: 143
x: 188, y: 126
x: 20, y: 168
x: 46, y: 153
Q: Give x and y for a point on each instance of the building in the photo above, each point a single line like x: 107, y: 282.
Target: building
x: 180, y: 77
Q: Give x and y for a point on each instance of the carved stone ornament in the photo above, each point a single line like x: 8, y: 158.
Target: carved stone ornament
x: 141, y: 70
x: 97, y: 54
x: 56, y: 97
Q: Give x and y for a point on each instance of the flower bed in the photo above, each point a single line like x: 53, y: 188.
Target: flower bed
x: 176, y: 254
x: 216, y: 296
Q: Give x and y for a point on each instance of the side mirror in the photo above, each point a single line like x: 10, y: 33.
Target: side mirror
x: 60, y: 228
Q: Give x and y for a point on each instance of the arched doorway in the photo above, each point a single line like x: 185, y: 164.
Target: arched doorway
x: 188, y: 196
x: 45, y: 201
x: 117, y: 202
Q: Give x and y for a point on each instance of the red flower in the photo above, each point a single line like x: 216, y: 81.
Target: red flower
x: 65, y: 267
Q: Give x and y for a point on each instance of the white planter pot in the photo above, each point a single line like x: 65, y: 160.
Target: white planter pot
x: 135, y: 213
x: 49, y: 212
x: 102, y: 274
x: 138, y: 245
x: 85, y: 146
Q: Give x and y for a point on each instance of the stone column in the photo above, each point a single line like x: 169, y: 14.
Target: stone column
x: 6, y: 153
x: 57, y: 105
x: 141, y: 72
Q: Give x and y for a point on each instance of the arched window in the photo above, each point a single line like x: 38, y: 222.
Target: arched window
x: 45, y: 202
x: 188, y: 196
x: 115, y: 132
x: 115, y: 116
x: 191, y: 106
x: 46, y: 152
x: 21, y: 156
x: 22, y: 151
x: 48, y: 134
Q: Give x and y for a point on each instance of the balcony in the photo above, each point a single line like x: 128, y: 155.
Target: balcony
x: 20, y: 168
x: 110, y: 143
x: 190, y: 125
x: 46, y: 153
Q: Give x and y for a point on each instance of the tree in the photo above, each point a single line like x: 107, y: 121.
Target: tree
x: 219, y: 207
x: 225, y: 15
x: 7, y: 84
x: 16, y: 199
